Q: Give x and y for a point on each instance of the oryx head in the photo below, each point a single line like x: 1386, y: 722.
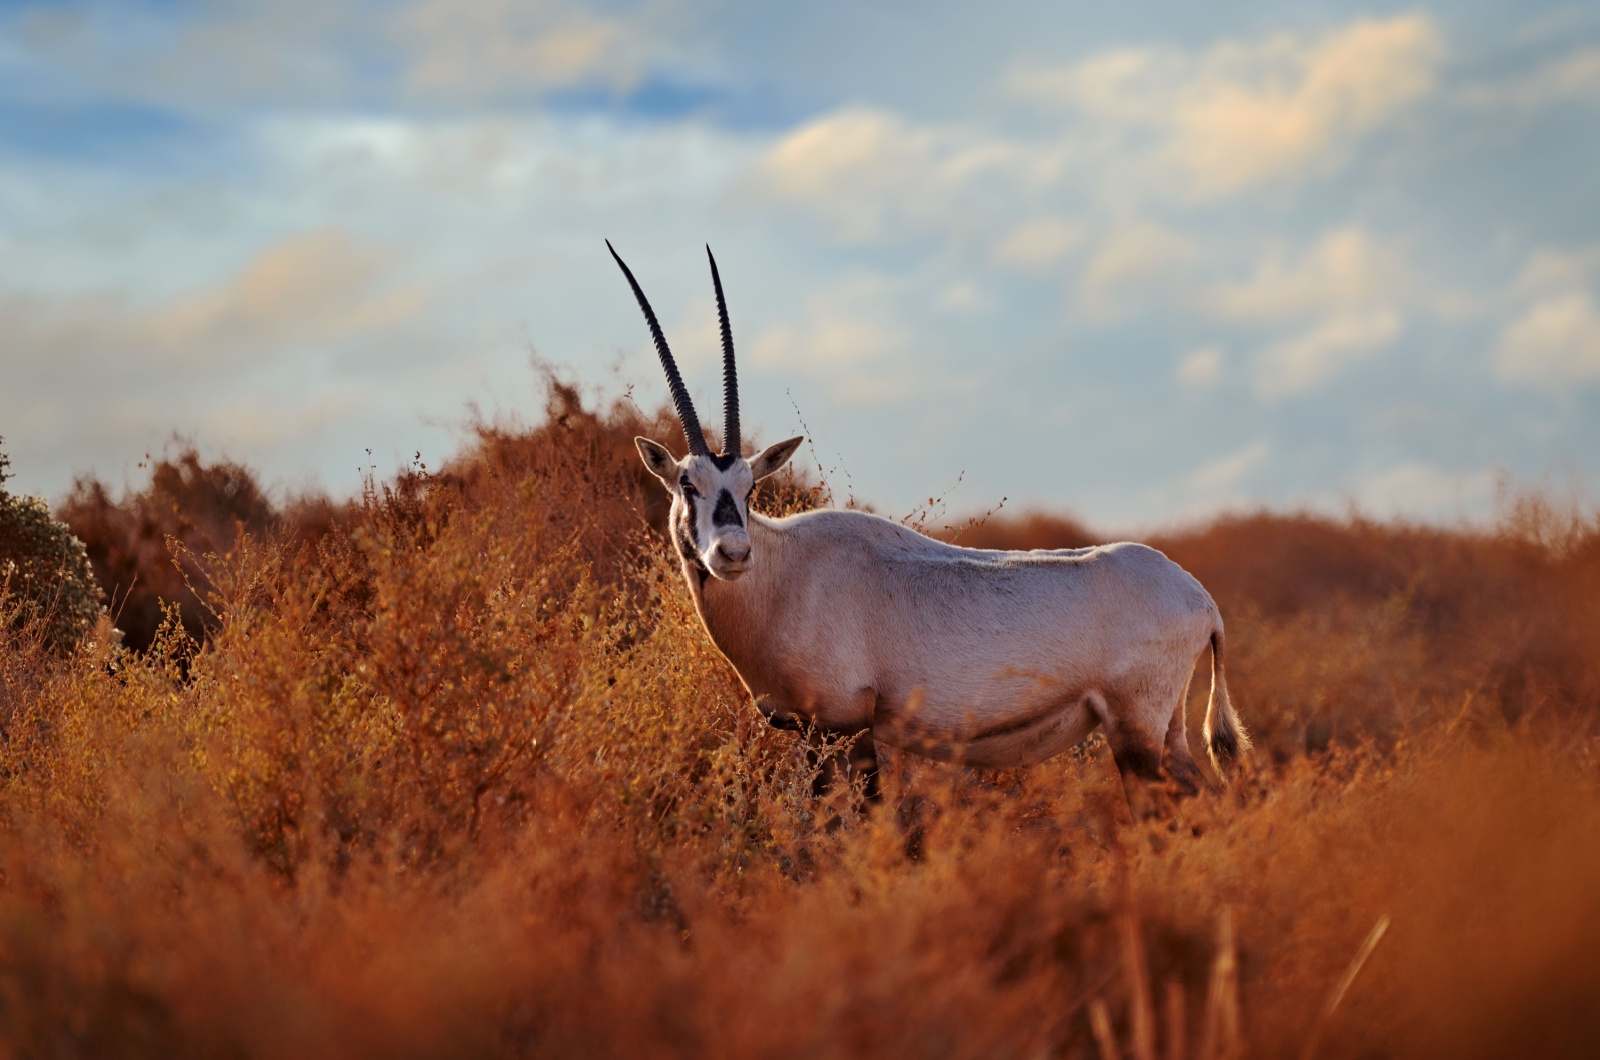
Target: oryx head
x: 710, y: 493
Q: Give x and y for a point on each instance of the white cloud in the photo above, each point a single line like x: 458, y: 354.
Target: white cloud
x: 286, y: 51
x: 294, y: 51
x: 1304, y: 362
x: 1573, y: 77
x: 309, y: 348
x: 1141, y: 258
x: 1200, y: 368
x: 498, y: 165
x: 1341, y: 296
x: 1556, y: 342
x: 301, y: 291
x: 846, y: 334
x: 963, y: 296
x: 477, y: 49
x: 304, y: 289
x: 247, y: 421
x: 1039, y: 243
x: 1551, y: 269
x: 153, y: 301
x: 1155, y: 121
x: 1227, y: 472
x: 1345, y: 272
x: 1245, y: 112
x: 448, y: 217
x: 1414, y: 489
x: 872, y: 173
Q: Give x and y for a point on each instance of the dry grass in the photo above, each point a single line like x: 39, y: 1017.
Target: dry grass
x: 455, y: 772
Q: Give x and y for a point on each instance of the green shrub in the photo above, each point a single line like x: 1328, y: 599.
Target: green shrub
x: 44, y: 571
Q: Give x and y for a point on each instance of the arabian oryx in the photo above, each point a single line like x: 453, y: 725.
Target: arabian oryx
x: 845, y: 623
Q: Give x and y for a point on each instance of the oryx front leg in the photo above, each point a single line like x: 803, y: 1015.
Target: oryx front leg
x: 842, y: 765
x: 842, y: 743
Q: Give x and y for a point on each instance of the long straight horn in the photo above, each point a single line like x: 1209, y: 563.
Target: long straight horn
x: 680, y: 393
x: 730, y: 373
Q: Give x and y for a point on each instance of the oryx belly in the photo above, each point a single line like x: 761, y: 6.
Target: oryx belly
x: 1021, y: 730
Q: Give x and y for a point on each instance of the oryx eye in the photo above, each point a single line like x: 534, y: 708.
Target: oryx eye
x: 688, y: 490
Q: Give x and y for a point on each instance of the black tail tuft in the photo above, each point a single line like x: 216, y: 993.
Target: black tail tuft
x: 1224, y: 747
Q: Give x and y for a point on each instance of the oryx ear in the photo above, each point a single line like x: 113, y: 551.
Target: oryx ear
x: 659, y: 461
x: 773, y: 457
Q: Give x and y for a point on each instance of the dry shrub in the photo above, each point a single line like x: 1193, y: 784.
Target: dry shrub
x: 45, y: 578
x: 1031, y: 530
x: 145, y: 547
x: 453, y: 770
x: 1372, y: 628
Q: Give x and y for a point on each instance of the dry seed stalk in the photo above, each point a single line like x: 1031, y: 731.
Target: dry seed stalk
x: 1134, y: 969
x: 1219, y: 1040
x: 1100, y: 1023
x: 1342, y: 987
x: 1176, y: 1038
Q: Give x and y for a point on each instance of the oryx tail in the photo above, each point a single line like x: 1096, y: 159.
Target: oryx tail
x: 1225, y: 737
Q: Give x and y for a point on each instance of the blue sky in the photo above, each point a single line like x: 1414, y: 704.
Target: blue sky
x: 1140, y: 265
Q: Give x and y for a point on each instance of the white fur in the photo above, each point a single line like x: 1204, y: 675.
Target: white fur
x: 856, y: 624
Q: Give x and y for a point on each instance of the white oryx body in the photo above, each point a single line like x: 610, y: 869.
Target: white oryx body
x: 845, y: 622
x: 851, y: 622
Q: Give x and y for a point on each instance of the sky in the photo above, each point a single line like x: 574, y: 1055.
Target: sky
x: 1139, y: 263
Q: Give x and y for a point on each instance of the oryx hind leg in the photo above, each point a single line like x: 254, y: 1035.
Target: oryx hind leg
x: 1150, y: 746
x: 1135, y: 748
x: 1177, y: 761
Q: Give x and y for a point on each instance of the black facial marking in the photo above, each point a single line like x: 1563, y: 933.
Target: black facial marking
x: 726, y: 512
x: 691, y: 557
x: 725, y: 461
x: 691, y: 524
x: 688, y: 545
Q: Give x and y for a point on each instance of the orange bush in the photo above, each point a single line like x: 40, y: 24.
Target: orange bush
x: 453, y: 770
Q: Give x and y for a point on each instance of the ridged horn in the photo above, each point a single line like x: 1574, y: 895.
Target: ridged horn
x: 680, y: 393
x: 730, y: 372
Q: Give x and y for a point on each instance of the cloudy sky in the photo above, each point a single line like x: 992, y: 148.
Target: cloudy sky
x: 1138, y: 264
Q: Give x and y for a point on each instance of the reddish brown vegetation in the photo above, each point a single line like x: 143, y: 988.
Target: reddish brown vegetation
x: 454, y: 771
x: 144, y: 548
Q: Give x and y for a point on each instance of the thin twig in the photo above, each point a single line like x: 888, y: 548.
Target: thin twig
x: 1219, y: 1039
x: 1176, y: 1024
x: 1342, y: 987
x: 1140, y: 1007
x: 1100, y: 1023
